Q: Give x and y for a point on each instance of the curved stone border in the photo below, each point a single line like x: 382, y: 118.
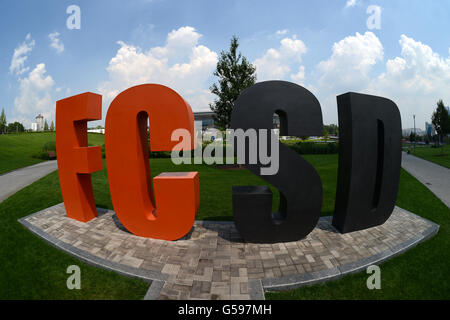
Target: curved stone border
x: 213, y: 262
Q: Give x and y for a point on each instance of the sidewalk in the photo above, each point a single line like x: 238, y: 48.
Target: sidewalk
x: 433, y: 176
x: 13, y: 181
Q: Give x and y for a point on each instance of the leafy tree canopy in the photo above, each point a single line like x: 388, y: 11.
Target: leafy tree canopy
x: 235, y: 74
x: 441, y: 119
x: 15, y: 127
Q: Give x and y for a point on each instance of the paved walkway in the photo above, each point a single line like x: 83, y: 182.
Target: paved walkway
x: 433, y: 176
x: 13, y: 181
x: 213, y: 262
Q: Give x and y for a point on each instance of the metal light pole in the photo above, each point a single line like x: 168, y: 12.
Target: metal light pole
x: 414, y: 116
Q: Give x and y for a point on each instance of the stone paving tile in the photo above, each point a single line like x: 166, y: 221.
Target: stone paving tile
x: 213, y: 262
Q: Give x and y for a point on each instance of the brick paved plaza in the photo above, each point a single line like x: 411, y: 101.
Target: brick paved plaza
x: 213, y: 262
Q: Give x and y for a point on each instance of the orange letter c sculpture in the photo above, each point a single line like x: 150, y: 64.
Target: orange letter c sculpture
x: 170, y: 213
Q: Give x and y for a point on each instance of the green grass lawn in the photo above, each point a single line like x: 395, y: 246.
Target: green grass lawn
x: 439, y: 156
x: 33, y: 269
x: 215, y: 185
x: 16, y: 150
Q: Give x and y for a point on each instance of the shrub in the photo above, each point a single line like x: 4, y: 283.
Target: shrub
x: 299, y: 147
x: 48, y: 151
x: 160, y: 154
x: 41, y: 155
x: 49, y: 146
x: 290, y: 142
x: 315, y: 148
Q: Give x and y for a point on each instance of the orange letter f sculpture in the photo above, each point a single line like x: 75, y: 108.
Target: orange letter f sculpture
x: 76, y: 161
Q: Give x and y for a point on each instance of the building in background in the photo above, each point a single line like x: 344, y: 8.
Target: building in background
x: 96, y: 130
x: 206, y: 117
x: 40, y: 121
x: 38, y: 125
x: 429, y: 129
x: 407, y: 132
x: 210, y: 130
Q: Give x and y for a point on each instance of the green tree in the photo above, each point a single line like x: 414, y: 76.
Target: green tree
x: 15, y: 127
x: 45, y: 125
x: 326, y: 135
x: 2, y: 121
x: 52, y: 126
x: 235, y: 74
x: 332, y: 129
x: 441, y: 120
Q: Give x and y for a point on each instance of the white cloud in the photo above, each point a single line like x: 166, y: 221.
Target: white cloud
x: 56, y: 43
x: 276, y: 64
x: 35, y: 95
x: 299, y: 77
x: 181, y: 64
x: 351, y: 61
x: 35, y: 89
x: 347, y: 69
x: 20, y: 56
x: 351, y: 3
x: 281, y: 32
x: 178, y: 43
x: 415, y: 80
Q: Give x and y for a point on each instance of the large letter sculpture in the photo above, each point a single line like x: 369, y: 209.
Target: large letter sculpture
x: 170, y: 213
x: 299, y: 184
x: 76, y: 161
x: 368, y: 177
x: 369, y: 161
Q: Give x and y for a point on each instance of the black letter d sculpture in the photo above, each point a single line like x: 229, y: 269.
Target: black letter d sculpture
x: 369, y: 163
x: 370, y: 133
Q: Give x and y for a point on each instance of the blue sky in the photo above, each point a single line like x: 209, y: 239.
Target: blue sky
x: 325, y: 46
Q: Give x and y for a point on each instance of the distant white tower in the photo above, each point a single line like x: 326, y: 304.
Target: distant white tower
x: 40, y: 122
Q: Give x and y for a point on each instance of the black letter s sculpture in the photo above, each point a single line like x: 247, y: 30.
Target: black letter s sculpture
x: 298, y: 182
x: 369, y: 163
